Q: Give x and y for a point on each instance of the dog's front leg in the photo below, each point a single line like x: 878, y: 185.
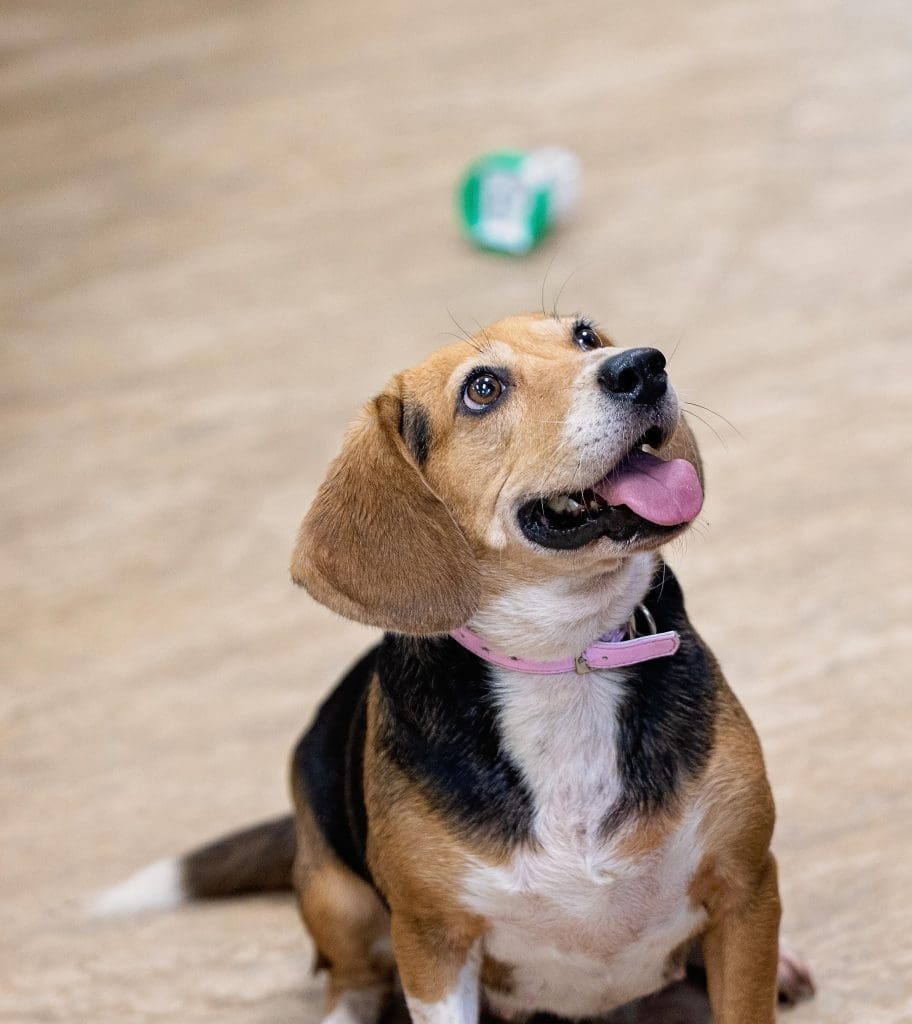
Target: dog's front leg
x: 741, y: 954
x: 439, y: 966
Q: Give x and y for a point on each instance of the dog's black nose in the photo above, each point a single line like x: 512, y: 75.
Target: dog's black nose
x: 637, y: 374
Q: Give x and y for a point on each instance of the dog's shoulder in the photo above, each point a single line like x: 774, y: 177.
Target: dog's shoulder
x: 438, y: 724
x: 327, y: 765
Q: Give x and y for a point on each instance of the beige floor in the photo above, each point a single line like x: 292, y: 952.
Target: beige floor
x: 222, y: 226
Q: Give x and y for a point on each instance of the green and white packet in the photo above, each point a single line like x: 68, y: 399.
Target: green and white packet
x: 508, y: 200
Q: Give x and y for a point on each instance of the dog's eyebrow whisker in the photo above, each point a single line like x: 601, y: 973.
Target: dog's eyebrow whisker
x: 724, y: 419
x: 560, y: 292
x: 458, y: 325
x: 545, y: 280
x: 471, y: 342
x: 459, y: 337
x: 483, y: 331
x: 465, y: 334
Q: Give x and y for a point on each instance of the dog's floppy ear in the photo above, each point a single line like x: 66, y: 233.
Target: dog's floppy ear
x: 378, y: 545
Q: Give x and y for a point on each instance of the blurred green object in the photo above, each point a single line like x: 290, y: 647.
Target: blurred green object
x: 509, y: 200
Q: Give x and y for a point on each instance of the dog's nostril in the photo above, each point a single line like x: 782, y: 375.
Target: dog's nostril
x: 637, y: 375
x: 656, y: 362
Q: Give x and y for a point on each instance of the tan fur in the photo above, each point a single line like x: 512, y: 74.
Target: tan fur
x: 737, y: 880
x: 410, y: 849
x: 496, y: 976
x: 426, y: 581
x: 343, y: 914
x: 433, y: 525
x: 740, y: 950
x: 740, y: 813
x: 428, y: 547
x: 647, y: 834
x: 346, y: 918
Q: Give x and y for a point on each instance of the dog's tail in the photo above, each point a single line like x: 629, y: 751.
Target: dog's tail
x: 256, y: 859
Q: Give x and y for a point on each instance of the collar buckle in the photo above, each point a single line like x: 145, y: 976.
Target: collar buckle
x: 582, y: 667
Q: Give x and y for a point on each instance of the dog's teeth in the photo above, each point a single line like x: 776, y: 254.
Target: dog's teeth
x: 594, y: 507
x: 564, y: 505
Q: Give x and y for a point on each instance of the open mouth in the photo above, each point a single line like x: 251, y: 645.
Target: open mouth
x: 643, y: 498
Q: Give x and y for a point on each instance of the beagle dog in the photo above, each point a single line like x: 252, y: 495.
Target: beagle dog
x: 537, y: 793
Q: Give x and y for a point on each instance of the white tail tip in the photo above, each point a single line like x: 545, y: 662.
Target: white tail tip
x: 160, y: 886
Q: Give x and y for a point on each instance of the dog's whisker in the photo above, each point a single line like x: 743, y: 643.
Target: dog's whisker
x: 555, y: 468
x: 458, y: 325
x: 459, y: 337
x: 560, y: 292
x: 708, y: 425
x: 545, y: 281
x: 464, y: 333
x: 724, y: 419
x: 674, y: 351
x: 483, y: 331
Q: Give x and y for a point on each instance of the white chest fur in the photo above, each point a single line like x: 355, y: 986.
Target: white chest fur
x: 582, y: 928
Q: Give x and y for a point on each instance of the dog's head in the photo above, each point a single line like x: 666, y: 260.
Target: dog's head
x: 536, y: 450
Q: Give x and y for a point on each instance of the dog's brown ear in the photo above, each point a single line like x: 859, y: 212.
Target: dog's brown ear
x: 378, y: 545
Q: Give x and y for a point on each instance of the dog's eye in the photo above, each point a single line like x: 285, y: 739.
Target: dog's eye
x: 585, y: 335
x: 482, y: 391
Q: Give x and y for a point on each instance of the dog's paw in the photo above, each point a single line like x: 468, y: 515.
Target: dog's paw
x: 793, y: 976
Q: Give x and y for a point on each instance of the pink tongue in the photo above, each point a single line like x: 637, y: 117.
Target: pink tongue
x: 666, y: 493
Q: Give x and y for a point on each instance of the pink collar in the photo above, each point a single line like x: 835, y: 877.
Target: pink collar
x: 609, y: 651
